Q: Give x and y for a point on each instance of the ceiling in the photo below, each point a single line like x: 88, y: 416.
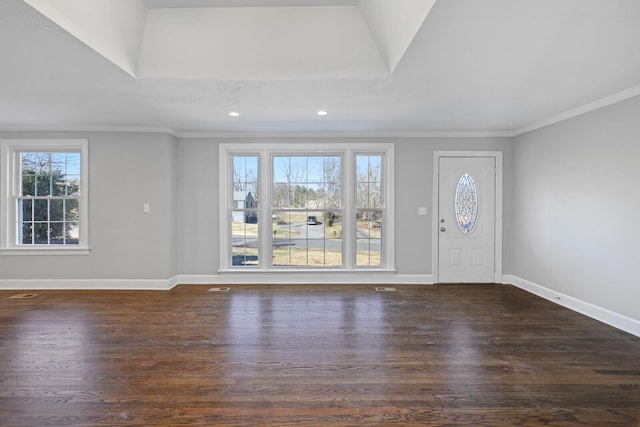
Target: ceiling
x: 157, y: 4
x: 495, y: 67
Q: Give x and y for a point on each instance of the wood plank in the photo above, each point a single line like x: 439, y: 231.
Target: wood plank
x: 311, y: 355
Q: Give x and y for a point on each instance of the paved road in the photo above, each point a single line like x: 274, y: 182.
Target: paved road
x: 311, y: 236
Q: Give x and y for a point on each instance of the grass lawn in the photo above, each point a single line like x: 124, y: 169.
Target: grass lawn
x: 303, y: 257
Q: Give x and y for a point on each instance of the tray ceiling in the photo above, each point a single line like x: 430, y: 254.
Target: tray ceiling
x: 466, y: 66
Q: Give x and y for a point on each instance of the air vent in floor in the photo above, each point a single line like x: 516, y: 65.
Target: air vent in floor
x: 385, y: 289
x: 218, y: 289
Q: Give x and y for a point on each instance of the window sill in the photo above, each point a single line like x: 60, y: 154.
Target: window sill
x: 46, y: 251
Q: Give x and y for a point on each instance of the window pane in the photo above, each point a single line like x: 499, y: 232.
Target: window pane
x: 307, y: 239
x: 73, y: 165
x: 466, y: 203
x: 41, y: 233
x: 244, y: 218
x: 59, y: 162
x: 42, y: 162
x: 41, y: 210
x: 244, y: 242
x: 72, y: 211
x: 28, y: 163
x: 57, y: 233
x: 307, y: 182
x: 43, y: 185
x: 245, y: 182
x: 56, y: 212
x: 72, y: 233
x: 71, y: 174
x: 28, y: 179
x: 369, y: 238
x: 26, y: 233
x: 57, y: 174
x: 369, y: 181
x: 25, y: 210
x: 289, y: 177
x: 72, y: 185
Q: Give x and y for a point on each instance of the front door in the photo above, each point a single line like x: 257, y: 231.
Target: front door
x: 466, y: 219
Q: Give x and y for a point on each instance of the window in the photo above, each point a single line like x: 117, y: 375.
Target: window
x: 306, y: 199
x: 369, y: 209
x: 290, y: 208
x: 466, y: 203
x: 244, y: 214
x: 44, y: 190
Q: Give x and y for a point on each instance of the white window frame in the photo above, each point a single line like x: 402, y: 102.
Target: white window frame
x: 10, y: 182
x: 265, y: 151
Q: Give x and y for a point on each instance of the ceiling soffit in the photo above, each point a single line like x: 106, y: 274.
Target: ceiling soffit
x: 254, y: 43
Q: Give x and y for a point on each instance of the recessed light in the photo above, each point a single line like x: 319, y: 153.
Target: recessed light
x: 321, y: 112
x: 234, y: 113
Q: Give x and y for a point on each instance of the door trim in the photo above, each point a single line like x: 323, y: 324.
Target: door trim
x: 435, y: 252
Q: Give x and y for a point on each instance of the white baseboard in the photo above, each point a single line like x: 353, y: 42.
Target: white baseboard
x: 378, y: 278
x: 603, y: 315
x: 89, y: 284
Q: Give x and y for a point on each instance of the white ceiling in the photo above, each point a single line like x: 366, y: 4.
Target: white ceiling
x: 158, y: 4
x: 486, y: 66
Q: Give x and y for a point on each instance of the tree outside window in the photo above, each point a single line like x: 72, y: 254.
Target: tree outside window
x: 48, y: 200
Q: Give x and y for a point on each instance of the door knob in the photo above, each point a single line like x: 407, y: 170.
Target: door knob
x: 443, y: 229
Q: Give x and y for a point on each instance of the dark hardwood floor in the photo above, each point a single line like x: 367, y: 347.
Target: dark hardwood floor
x: 455, y: 355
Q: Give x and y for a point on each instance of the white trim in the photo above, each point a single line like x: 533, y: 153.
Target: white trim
x: 235, y: 278
x: 324, y: 277
x: 389, y: 179
x: 265, y: 152
x: 593, y: 311
x: 578, y: 111
x: 45, y: 250
x: 88, y: 284
x: 8, y: 185
x: 90, y: 128
x: 498, y: 207
x: 178, y: 133
x: 360, y: 134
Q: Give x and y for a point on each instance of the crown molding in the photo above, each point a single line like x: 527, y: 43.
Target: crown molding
x: 281, y: 135
x: 90, y: 128
x: 369, y: 134
x: 583, y: 109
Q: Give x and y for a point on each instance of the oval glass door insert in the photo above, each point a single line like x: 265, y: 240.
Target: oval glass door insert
x: 466, y: 203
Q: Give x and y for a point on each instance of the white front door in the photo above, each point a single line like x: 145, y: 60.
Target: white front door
x: 466, y: 219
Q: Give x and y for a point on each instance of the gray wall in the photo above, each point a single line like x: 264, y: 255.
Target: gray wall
x: 575, y: 207
x: 198, y: 245
x: 179, y: 179
x: 125, y: 171
x: 570, y: 206
x: 198, y: 201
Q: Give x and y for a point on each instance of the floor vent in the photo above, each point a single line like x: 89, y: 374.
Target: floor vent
x: 386, y: 289
x: 23, y: 296
x: 219, y: 289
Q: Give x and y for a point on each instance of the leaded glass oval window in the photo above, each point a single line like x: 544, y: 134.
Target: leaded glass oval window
x: 466, y: 203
